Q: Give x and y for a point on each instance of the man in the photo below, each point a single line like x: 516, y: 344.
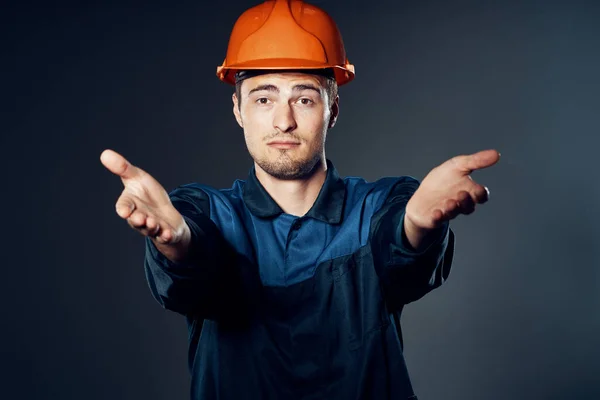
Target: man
x: 293, y: 281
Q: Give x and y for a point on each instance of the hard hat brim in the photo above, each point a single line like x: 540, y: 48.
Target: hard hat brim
x: 343, y: 74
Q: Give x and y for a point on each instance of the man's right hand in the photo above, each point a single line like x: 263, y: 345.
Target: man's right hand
x: 147, y: 208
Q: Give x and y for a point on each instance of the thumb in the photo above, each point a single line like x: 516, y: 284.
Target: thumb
x: 479, y: 160
x: 118, y: 165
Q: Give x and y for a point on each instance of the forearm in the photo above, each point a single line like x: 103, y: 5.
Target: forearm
x: 411, y: 273
x: 198, y: 274
x: 190, y: 281
x: 410, y: 261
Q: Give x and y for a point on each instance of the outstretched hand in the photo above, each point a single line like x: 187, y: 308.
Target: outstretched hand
x: 447, y: 191
x: 144, y: 203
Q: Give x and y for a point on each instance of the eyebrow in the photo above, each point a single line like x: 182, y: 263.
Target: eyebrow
x: 273, y: 88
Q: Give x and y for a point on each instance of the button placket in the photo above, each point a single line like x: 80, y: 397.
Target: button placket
x: 292, y: 234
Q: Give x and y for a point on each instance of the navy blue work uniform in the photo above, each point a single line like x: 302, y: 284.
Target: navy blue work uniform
x: 286, y: 307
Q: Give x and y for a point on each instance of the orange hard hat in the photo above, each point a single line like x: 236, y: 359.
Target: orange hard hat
x: 285, y: 35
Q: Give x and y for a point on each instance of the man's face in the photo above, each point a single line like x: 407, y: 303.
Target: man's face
x: 285, y: 117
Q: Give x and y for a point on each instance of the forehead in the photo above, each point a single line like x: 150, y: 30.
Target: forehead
x: 283, y: 80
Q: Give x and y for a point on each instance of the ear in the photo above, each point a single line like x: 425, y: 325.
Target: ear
x: 236, y: 110
x: 335, y: 111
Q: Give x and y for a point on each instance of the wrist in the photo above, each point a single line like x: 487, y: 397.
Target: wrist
x: 417, y: 237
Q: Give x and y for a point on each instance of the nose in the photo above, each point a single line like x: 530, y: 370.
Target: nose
x: 283, y: 120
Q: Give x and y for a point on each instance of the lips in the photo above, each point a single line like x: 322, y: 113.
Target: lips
x: 283, y: 144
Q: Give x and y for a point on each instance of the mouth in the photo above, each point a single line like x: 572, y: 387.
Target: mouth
x: 283, y: 144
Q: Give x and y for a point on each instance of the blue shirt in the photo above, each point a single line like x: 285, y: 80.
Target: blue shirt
x: 287, y: 307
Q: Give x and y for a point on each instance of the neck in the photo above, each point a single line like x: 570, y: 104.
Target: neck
x: 295, y: 197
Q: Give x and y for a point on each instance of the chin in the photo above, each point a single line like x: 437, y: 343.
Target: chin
x: 285, y: 168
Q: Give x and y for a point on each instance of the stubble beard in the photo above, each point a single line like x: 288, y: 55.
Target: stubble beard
x: 285, y: 168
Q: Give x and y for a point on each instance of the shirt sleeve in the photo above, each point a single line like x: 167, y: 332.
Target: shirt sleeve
x: 204, y: 284
x: 407, y: 275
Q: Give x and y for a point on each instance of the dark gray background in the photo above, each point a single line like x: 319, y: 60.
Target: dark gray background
x: 519, y: 317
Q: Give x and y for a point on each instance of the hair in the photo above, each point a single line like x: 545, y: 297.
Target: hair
x: 331, y: 88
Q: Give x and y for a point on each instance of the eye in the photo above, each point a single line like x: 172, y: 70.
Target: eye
x: 262, y: 100
x: 306, y: 101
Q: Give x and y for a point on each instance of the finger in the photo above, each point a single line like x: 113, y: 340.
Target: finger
x: 118, y: 165
x: 437, y: 216
x: 479, y: 160
x: 154, y: 233
x: 152, y: 226
x: 163, y: 236
x: 149, y: 226
x: 451, y: 209
x: 481, y: 194
x: 166, y: 235
x: 137, y: 220
x: 125, y: 207
x: 466, y: 203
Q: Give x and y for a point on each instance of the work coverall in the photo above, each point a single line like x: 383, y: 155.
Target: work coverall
x: 286, y: 307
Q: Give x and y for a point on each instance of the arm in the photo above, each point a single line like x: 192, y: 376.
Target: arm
x: 425, y: 210
x: 201, y: 283
x: 190, y: 267
x: 406, y: 273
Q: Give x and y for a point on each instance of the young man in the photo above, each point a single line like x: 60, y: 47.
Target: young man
x: 293, y: 281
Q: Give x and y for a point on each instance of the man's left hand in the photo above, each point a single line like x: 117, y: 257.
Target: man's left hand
x: 447, y: 191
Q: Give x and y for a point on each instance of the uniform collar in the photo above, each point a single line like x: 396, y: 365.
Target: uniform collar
x: 328, y: 206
